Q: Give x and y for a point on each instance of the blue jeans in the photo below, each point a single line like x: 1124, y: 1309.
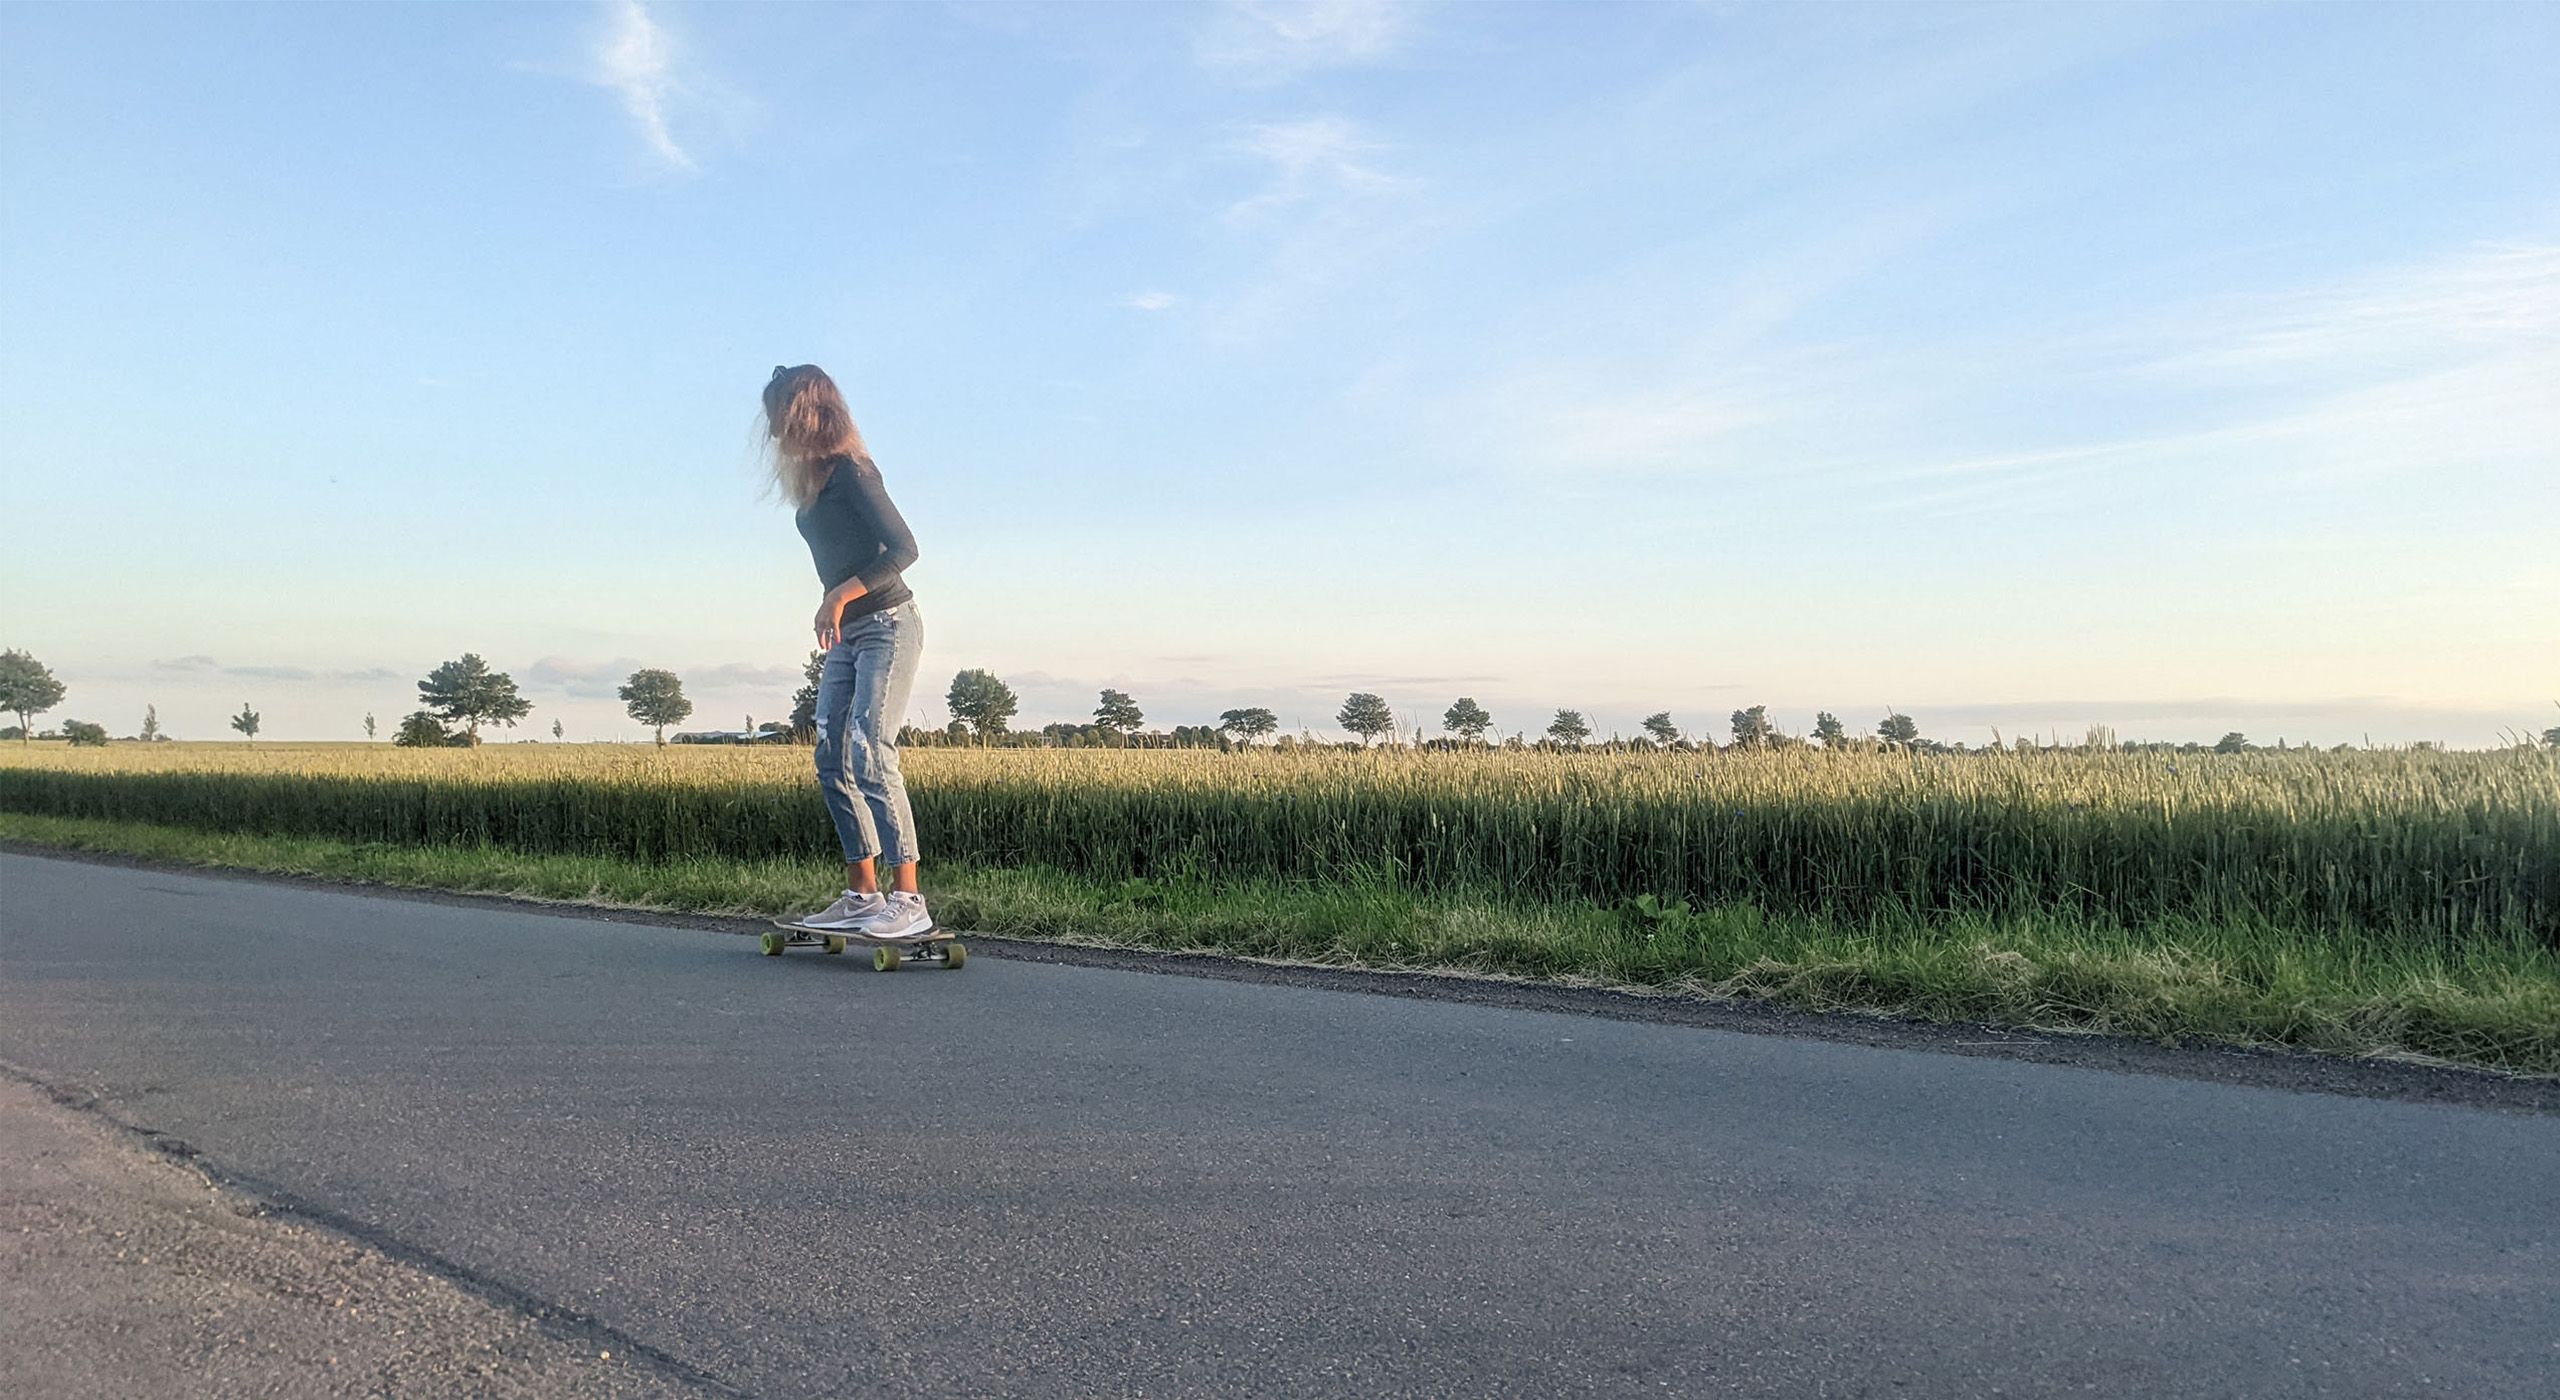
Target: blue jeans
x: 862, y: 699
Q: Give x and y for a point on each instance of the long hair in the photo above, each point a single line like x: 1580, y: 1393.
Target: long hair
x: 806, y: 419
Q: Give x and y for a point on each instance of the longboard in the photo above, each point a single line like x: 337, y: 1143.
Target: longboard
x: 940, y: 947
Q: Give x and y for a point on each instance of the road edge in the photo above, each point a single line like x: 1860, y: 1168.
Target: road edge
x: 265, y: 1198
x: 2407, y: 1081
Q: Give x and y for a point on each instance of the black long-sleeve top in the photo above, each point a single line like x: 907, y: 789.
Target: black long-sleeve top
x: 854, y: 532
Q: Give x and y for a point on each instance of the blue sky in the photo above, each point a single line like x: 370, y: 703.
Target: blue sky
x: 2177, y: 368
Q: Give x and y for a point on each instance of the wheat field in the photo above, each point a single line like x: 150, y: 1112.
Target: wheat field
x: 2406, y: 845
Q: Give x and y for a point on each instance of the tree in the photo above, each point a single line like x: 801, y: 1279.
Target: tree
x: 559, y: 730
x: 368, y: 724
x: 656, y: 698
x: 1248, y: 724
x: 2233, y: 742
x: 150, y: 723
x: 84, y: 735
x: 246, y: 721
x: 1569, y: 728
x: 804, y: 701
x: 1366, y: 715
x: 420, y: 731
x: 1899, y: 729
x: 1659, y: 725
x: 2551, y: 737
x: 982, y: 702
x: 1752, y: 729
x: 467, y: 692
x: 1467, y: 719
x: 27, y: 689
x: 1828, y: 728
x: 1118, y: 713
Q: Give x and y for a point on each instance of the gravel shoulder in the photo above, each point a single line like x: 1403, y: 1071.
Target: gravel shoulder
x: 125, y: 1271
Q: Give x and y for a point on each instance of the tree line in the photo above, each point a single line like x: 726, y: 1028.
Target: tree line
x: 461, y: 695
x: 454, y: 701
x: 982, y: 708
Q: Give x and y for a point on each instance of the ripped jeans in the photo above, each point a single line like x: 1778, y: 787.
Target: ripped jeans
x: 862, y: 699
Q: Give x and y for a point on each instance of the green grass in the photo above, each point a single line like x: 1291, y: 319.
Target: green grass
x: 2481, y: 1001
x: 2424, y: 848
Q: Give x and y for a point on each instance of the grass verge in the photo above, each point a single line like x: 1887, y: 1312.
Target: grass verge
x: 2493, y: 1005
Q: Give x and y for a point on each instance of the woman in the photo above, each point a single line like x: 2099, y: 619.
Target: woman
x: 868, y: 627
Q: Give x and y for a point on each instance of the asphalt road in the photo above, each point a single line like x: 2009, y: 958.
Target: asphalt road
x: 799, y: 1177
x: 124, y: 1273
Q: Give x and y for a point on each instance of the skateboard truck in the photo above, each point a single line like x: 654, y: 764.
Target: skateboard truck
x: 937, y: 948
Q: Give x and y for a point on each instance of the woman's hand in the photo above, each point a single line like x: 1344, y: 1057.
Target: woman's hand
x: 831, y: 609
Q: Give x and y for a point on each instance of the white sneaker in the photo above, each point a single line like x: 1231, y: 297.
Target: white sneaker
x: 905, y: 917
x: 850, y: 911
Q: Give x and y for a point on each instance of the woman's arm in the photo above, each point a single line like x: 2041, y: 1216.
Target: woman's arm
x: 897, y: 542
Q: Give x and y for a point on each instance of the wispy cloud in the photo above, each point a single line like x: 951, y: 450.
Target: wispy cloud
x: 1321, y: 208
x: 1274, y: 40
x: 740, y: 675
x: 1396, y: 680
x: 206, y: 666
x: 2439, y: 370
x: 602, y: 680
x: 1689, y: 424
x: 2483, y: 301
x: 1150, y: 301
x: 586, y: 679
x: 637, y: 60
x: 1311, y: 159
x: 1690, y: 361
x: 2442, y: 367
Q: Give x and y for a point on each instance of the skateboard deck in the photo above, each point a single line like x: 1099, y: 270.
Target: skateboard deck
x: 939, y: 947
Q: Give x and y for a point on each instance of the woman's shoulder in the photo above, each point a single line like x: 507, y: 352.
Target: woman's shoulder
x: 850, y: 468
